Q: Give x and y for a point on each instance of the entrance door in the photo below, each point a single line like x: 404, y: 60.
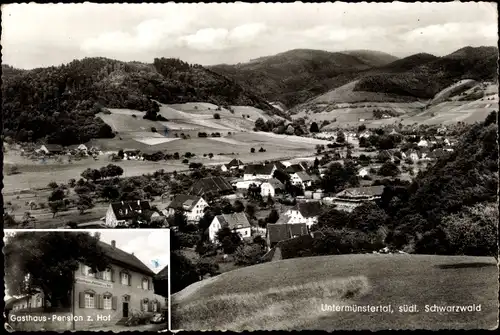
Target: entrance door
x: 125, y: 309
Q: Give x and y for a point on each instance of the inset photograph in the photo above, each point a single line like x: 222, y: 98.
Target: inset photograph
x: 94, y: 280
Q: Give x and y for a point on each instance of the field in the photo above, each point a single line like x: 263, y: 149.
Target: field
x: 289, y: 294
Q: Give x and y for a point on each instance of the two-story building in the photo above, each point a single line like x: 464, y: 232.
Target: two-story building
x: 235, y: 164
x: 304, y: 212
x: 271, y: 187
x: 235, y: 221
x: 192, y: 206
x: 111, y: 296
x: 259, y: 171
x: 301, y: 179
x: 125, y: 211
x: 101, y: 299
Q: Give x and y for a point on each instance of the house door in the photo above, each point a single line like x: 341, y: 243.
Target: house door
x: 125, y: 309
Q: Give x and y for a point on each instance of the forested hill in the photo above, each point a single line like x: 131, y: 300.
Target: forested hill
x: 294, y: 76
x: 59, y: 103
x: 451, y: 208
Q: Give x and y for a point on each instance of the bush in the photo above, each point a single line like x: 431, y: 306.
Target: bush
x: 185, y: 161
x: 252, y: 150
x: 153, y: 129
x: 217, y: 116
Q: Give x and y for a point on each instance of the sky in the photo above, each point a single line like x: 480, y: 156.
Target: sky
x: 40, y: 35
x: 148, y: 245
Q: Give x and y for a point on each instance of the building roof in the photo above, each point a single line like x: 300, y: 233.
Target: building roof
x: 362, y: 191
x: 304, y: 176
x: 210, y: 185
x: 235, y: 162
x: 309, y: 208
x: 265, y: 169
x: 184, y: 202
x: 124, y: 258
x: 234, y: 220
x: 54, y: 147
x: 129, y: 209
x: 283, y: 219
x: 295, y: 168
x: 278, y: 232
x: 275, y: 183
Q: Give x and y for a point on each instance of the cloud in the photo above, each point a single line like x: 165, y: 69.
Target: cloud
x: 41, y: 35
x: 209, y: 39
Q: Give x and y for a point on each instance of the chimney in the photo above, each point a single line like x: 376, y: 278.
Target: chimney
x: 113, y: 243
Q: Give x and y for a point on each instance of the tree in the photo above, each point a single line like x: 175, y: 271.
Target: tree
x: 84, y: 203
x: 57, y: 194
x: 238, y: 206
x: 270, y: 201
x: 252, y: 150
x: 56, y: 206
x: 340, y: 137
x: 273, y: 216
x: 180, y: 220
x: 82, y: 190
x: 216, y: 116
x: 110, y: 192
x: 314, y: 128
x: 72, y: 182
x: 64, y: 251
x: 53, y: 185
x: 228, y: 239
x: 210, y: 155
x: 361, y: 128
x: 248, y: 254
x: 250, y: 210
x: 389, y: 169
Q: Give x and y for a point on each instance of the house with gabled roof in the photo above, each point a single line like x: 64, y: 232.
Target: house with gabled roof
x: 295, y: 168
x: 277, y: 232
x: 51, y: 149
x: 301, y: 178
x: 351, y: 198
x: 125, y: 211
x: 237, y: 222
x: 192, y: 206
x: 211, y: 186
x: 271, y: 187
x: 305, y: 212
x: 259, y: 171
x: 233, y: 165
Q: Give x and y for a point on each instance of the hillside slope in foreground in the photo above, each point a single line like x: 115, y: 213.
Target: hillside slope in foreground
x: 290, y: 294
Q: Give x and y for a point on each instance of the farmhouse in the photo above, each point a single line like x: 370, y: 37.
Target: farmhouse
x: 191, y: 205
x: 126, y: 285
x: 233, y: 165
x: 271, y: 187
x: 278, y: 232
x: 259, y: 171
x: 301, y: 178
x: 364, y: 134
x: 236, y: 222
x: 305, y: 212
x: 294, y: 168
x: 123, y: 212
x: 51, y: 149
x: 351, y: 198
x: 211, y: 186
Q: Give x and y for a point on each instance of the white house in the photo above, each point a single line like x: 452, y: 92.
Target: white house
x: 365, y: 134
x: 271, y: 187
x: 236, y: 222
x: 301, y: 179
x: 364, y: 171
x: 193, y: 206
x: 423, y: 143
x: 304, y: 212
x: 122, y: 212
x: 233, y: 165
x: 259, y: 171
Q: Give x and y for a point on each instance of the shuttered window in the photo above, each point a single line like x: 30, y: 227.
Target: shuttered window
x: 106, y: 275
x: 107, y: 302
x: 145, y: 284
x: 89, y: 300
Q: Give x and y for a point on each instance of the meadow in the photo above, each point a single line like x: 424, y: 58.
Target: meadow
x: 395, y: 280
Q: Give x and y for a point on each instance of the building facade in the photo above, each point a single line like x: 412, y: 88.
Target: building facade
x: 192, y: 206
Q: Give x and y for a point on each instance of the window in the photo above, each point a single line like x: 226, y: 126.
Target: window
x: 124, y: 278
x: 145, y: 305
x: 107, y: 302
x: 89, y: 300
x: 145, y: 283
x: 155, y: 306
x: 106, y: 275
x: 88, y: 271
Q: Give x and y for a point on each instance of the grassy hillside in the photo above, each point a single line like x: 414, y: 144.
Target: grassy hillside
x: 288, y: 294
x: 59, y: 104
x: 294, y: 76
